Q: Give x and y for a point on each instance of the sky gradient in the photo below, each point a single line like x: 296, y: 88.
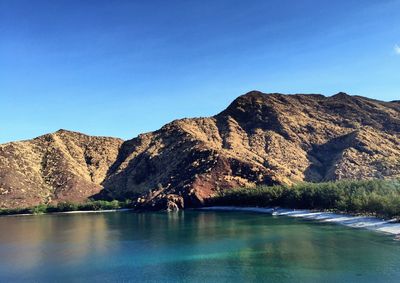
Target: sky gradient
x: 120, y: 68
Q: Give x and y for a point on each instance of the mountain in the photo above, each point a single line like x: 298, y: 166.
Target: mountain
x: 63, y: 166
x: 259, y: 139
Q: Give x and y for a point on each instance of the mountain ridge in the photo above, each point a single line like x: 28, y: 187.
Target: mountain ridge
x: 258, y: 139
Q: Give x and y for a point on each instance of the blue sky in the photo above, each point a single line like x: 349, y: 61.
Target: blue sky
x: 122, y: 67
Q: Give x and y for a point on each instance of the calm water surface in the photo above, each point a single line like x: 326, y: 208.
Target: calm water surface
x: 191, y: 246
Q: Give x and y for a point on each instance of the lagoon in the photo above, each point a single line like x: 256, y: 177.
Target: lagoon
x: 191, y: 246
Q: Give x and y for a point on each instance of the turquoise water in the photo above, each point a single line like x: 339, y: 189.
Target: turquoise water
x: 191, y: 246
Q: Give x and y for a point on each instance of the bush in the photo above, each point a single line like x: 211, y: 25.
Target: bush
x: 100, y: 205
x: 39, y: 209
x: 10, y: 211
x: 66, y: 206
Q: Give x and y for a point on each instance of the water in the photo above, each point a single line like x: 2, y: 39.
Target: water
x: 196, y: 246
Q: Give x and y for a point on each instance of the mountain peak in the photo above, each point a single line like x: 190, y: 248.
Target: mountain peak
x: 64, y: 131
x: 341, y: 95
x: 253, y: 93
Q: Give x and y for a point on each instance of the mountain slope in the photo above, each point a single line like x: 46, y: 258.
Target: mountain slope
x: 259, y: 139
x: 63, y: 166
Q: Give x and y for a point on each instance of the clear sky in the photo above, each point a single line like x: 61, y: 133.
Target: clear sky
x: 123, y: 67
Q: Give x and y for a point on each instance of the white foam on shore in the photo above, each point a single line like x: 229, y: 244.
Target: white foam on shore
x: 371, y: 223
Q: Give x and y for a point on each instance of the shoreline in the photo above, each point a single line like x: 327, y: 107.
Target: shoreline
x: 372, y: 223
x: 391, y: 226
x: 70, y: 212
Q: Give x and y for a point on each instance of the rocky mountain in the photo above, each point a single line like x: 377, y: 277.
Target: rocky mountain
x: 259, y: 139
x: 63, y: 166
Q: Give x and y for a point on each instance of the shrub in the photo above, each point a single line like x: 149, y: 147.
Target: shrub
x: 66, y: 206
x: 39, y: 209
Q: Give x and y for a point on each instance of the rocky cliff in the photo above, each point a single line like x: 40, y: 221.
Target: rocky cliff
x: 259, y: 139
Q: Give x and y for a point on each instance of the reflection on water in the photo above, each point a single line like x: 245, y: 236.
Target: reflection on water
x: 190, y: 246
x: 35, y: 240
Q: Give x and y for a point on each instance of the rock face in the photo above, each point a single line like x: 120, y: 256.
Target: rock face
x: 259, y: 139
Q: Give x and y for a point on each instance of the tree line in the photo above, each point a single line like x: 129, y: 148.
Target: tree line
x: 372, y: 197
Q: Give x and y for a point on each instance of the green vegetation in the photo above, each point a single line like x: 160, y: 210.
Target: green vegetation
x: 374, y: 197
x: 68, y: 206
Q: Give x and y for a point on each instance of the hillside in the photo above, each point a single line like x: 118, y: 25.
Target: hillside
x: 62, y: 166
x: 259, y: 139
